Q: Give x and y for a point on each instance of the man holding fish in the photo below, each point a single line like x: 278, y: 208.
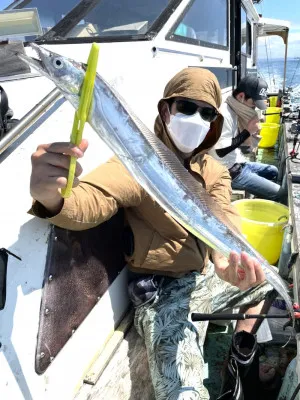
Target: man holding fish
x: 173, y: 272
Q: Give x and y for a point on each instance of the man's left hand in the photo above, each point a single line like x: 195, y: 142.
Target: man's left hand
x: 241, y: 271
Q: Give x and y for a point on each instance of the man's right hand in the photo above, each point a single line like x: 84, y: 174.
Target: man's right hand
x: 253, y: 126
x: 50, y: 168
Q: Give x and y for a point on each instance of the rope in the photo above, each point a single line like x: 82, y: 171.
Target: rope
x: 270, y: 80
x: 268, y: 60
x: 274, y: 81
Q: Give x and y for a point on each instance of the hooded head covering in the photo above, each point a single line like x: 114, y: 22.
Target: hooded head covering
x: 195, y: 84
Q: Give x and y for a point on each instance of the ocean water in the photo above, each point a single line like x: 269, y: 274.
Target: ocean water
x: 272, y: 71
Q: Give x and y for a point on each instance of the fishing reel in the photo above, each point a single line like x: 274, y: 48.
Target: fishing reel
x: 295, y: 127
x: 294, y: 115
x: 291, y: 112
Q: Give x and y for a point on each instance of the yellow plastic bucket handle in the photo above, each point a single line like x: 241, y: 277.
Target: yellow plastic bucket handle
x: 283, y: 216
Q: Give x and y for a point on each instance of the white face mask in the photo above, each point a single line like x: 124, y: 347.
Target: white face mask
x: 187, y: 131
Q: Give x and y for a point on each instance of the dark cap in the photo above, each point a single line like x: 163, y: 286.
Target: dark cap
x: 256, y: 89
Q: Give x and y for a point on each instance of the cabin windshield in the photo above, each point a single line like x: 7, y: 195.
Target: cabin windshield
x: 68, y: 19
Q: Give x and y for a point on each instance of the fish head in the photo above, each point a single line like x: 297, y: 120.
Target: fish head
x: 66, y: 74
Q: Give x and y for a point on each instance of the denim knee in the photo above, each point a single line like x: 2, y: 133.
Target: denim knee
x: 273, y: 171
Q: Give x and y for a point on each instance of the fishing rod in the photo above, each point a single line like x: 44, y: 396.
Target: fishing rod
x: 198, y: 317
x: 235, y: 317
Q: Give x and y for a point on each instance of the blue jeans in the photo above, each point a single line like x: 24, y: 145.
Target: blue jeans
x: 256, y: 178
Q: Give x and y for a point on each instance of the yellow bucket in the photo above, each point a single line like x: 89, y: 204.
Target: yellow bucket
x: 275, y: 117
x: 269, y: 133
x: 273, y: 101
x: 262, y: 225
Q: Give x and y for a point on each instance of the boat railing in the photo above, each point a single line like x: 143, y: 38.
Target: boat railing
x: 29, y: 119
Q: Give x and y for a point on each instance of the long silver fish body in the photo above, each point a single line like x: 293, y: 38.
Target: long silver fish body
x: 151, y: 163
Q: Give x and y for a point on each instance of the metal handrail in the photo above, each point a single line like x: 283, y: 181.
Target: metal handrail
x: 37, y: 111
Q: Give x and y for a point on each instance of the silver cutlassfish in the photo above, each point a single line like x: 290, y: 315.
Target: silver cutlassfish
x: 150, y: 162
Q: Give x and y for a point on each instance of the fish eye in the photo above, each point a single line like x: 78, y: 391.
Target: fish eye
x: 58, y: 63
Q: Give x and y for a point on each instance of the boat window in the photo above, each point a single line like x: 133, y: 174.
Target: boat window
x: 97, y: 18
x: 50, y: 13
x: 202, y: 25
x: 119, y: 17
x: 246, y: 34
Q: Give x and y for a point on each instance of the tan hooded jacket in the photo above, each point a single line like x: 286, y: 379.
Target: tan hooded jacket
x: 161, y: 245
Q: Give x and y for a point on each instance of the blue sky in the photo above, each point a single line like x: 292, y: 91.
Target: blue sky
x: 288, y: 10
x: 279, y: 9
x: 4, y: 3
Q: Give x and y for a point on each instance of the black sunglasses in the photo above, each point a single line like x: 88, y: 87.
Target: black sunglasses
x: 190, y: 108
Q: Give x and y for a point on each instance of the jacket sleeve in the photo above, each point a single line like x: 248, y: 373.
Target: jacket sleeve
x: 97, y: 198
x: 221, y: 192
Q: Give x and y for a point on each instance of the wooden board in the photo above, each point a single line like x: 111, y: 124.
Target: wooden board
x: 127, y: 375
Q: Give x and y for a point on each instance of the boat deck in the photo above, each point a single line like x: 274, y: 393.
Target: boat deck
x: 127, y: 375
